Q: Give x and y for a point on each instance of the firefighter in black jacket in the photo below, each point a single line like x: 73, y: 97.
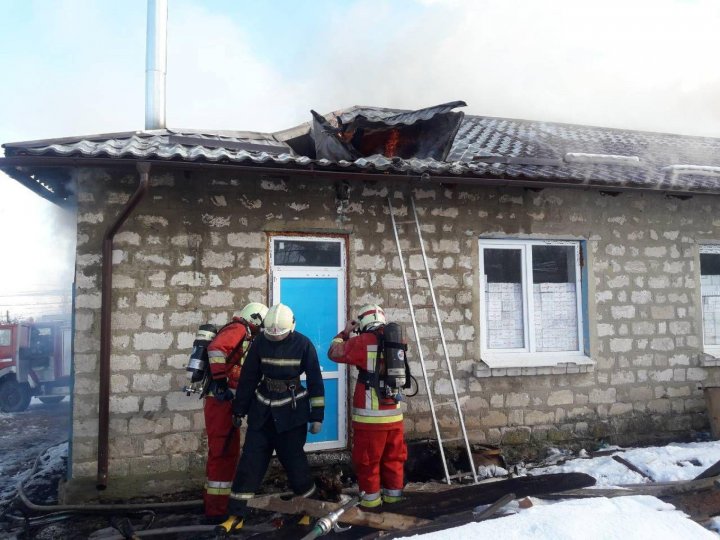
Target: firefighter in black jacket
x: 278, y: 409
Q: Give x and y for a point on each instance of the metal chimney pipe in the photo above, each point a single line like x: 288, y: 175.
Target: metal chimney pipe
x: 156, y: 64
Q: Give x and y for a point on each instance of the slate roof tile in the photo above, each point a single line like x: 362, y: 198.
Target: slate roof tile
x: 483, y: 147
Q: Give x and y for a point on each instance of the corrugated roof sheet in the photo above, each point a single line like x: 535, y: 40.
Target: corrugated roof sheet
x: 483, y: 147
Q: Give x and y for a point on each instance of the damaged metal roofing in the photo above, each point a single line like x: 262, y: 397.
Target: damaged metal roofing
x: 483, y: 148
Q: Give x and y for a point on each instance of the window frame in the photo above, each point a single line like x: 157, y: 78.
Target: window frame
x: 709, y: 249
x: 340, y: 272
x: 528, y: 356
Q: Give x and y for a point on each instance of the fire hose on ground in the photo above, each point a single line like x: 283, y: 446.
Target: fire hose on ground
x: 56, y: 512
x: 328, y: 523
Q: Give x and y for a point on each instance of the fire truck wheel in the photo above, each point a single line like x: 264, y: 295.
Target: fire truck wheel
x: 14, y: 397
x: 51, y: 399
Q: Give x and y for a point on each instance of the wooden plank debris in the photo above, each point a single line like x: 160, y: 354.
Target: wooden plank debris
x: 700, y: 505
x: 427, y: 487
x: 447, y: 522
x: 431, y: 506
x: 658, y: 489
x: 711, y: 471
x: 633, y: 468
x: 354, y: 516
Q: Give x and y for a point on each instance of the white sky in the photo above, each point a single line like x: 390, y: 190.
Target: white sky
x: 77, y: 66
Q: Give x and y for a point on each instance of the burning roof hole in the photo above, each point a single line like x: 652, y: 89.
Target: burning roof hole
x: 422, y: 134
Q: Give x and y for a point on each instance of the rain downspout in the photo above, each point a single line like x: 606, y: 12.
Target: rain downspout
x: 155, y: 72
x: 105, y: 322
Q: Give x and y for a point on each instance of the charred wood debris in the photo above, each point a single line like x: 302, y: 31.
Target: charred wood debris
x: 429, y: 505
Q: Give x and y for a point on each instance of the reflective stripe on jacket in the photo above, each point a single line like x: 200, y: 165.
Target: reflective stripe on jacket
x: 280, y: 361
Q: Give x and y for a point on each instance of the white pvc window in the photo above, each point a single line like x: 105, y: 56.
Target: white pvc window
x: 710, y: 293
x: 531, y: 303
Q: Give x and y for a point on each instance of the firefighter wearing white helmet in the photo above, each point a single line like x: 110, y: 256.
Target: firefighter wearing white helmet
x: 226, y: 353
x: 280, y: 410
x: 371, y: 317
x: 253, y: 314
x: 279, y: 322
x: 379, y: 451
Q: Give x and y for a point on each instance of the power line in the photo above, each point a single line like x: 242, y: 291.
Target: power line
x: 49, y: 292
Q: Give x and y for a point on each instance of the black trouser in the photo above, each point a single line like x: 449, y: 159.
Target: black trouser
x: 256, y: 454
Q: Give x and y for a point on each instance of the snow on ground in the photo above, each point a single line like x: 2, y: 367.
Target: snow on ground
x: 677, y: 461
x: 22, y: 437
x: 639, y: 517
x: 607, y: 471
x: 51, y: 467
x: 635, y: 517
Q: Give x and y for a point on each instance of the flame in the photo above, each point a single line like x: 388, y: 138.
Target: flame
x: 392, y: 143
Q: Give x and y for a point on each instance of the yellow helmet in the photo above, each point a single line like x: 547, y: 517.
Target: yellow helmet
x: 371, y: 317
x: 279, y: 322
x: 253, y: 314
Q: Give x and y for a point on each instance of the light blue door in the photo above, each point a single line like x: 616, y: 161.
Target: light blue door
x: 316, y: 294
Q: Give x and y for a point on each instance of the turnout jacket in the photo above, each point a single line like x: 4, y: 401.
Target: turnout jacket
x: 369, y: 411
x: 227, y: 351
x: 270, y: 377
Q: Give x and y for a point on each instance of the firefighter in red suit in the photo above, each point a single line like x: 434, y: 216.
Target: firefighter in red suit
x: 378, y: 451
x: 226, y: 353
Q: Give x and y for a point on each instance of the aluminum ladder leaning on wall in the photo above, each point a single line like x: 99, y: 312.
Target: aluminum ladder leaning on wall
x: 456, y: 401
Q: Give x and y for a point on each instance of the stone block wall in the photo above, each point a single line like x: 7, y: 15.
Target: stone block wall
x: 196, y: 249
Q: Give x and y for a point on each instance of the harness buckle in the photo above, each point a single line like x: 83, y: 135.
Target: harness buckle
x: 291, y: 387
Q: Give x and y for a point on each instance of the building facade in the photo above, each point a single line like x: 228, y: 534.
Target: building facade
x: 626, y: 365
x: 576, y: 270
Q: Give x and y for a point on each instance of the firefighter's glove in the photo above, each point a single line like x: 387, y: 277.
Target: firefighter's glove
x: 237, y: 420
x: 350, y: 327
x: 315, y: 427
x: 220, y: 390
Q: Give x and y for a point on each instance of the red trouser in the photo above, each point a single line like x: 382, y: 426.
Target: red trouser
x: 222, y: 455
x: 378, y: 457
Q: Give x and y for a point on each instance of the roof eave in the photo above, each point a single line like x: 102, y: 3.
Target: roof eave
x: 21, y: 167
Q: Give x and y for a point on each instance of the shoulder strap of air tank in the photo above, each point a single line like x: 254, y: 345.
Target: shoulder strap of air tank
x: 239, y: 344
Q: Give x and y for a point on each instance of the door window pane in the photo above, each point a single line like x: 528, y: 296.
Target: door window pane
x: 710, y: 292
x: 554, y: 298
x: 307, y: 253
x: 5, y: 337
x: 504, y: 298
x: 314, y: 302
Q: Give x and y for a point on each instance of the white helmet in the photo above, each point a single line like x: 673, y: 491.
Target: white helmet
x: 253, y: 314
x: 279, y: 322
x: 371, y: 317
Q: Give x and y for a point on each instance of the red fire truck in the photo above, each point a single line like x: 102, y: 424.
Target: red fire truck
x: 34, y: 361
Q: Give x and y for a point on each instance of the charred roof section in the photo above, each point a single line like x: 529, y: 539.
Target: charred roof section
x: 423, y: 134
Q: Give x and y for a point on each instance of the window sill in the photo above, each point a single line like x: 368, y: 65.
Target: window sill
x: 533, y: 365
x: 710, y: 357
